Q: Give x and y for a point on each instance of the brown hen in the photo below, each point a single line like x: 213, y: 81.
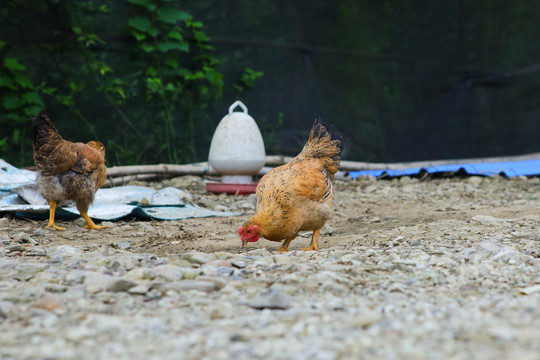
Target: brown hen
x: 297, y: 196
x: 67, y: 170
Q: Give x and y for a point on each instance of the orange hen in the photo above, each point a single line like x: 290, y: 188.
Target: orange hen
x: 67, y: 170
x: 297, y: 196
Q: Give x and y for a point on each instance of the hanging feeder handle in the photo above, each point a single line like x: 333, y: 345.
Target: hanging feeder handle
x: 238, y: 103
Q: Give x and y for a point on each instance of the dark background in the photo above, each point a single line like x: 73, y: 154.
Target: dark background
x: 402, y: 80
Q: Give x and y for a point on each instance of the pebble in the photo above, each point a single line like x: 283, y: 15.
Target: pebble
x: 55, y: 288
x: 123, y: 245
x: 184, y: 285
x: 239, y: 264
x: 36, y: 252
x: 141, y: 289
x: 4, y: 239
x: 119, y: 285
x: 50, y: 304
x: 4, y: 222
x: 17, y: 247
x: 168, y: 272
x: 39, y: 232
x: 6, y: 308
x: 200, y: 258
x: 273, y: 299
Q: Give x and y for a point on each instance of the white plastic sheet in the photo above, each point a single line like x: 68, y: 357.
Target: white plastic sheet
x: 19, y: 195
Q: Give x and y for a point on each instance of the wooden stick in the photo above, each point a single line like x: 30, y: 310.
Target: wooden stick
x: 162, y: 169
x: 202, y: 168
x: 121, y: 180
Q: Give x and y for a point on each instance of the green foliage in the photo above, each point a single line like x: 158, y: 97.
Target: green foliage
x: 248, y: 79
x: 20, y: 99
x: 169, y: 82
x: 146, y: 96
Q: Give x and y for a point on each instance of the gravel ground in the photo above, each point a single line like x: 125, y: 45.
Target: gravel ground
x: 408, y: 269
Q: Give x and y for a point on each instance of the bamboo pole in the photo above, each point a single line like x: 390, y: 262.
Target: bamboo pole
x: 161, y: 169
x: 203, y: 168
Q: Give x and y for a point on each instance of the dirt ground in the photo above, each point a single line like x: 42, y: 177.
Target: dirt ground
x: 441, y: 268
x: 368, y: 212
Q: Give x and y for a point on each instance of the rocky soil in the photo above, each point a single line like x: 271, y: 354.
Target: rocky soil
x: 408, y: 269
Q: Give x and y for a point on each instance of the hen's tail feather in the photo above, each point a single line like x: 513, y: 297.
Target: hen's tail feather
x: 44, y: 131
x: 323, y: 143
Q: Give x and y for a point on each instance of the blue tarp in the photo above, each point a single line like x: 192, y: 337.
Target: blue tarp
x: 507, y: 168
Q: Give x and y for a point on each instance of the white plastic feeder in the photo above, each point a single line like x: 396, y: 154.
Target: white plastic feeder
x: 237, y: 147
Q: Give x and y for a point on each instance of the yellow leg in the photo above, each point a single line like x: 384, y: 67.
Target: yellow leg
x: 285, y: 245
x: 52, y: 210
x: 91, y: 224
x: 314, y: 246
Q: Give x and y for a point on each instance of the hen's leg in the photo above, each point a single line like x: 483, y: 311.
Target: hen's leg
x: 314, y: 246
x: 52, y: 210
x: 91, y: 224
x: 285, y: 245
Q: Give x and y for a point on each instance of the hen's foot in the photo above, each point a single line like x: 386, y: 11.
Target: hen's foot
x: 95, y: 227
x: 52, y: 210
x: 91, y: 224
x: 285, y: 245
x: 54, y: 226
x: 314, y: 245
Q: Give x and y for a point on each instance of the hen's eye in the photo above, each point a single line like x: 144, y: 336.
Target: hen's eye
x: 249, y: 231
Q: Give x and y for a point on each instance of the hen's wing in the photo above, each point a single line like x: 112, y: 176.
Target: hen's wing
x: 87, y: 159
x: 282, y: 185
x: 54, y: 155
x: 79, y: 157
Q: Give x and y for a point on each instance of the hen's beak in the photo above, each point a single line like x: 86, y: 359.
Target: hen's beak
x: 244, y: 243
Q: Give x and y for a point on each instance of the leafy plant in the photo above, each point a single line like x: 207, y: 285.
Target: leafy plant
x: 248, y: 79
x: 178, y: 72
x: 20, y: 100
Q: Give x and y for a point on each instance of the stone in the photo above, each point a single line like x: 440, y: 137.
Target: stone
x: 140, y: 273
x: 4, y: 239
x: 239, y: 264
x: 262, y: 252
x: 39, y: 232
x: 185, y: 285
x: 56, y: 288
x: 119, y: 285
x: 141, y: 289
x: 489, y: 220
x: 219, y: 283
x: 272, y: 299
x: 487, y: 248
x: 199, y: 258
x: 74, y: 277
x: 64, y: 251
x: 50, y: 303
x: 4, y: 222
x: 530, y: 290
x: 123, y: 245
x: 36, y: 252
x: 24, y: 238
x: 190, y: 273
x: 6, y: 308
x: 16, y: 247
x: 168, y: 272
